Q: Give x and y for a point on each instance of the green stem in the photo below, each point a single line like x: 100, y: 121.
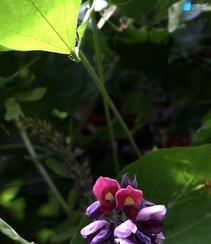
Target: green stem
x: 27, y: 142
x: 105, y: 104
x: 108, y: 100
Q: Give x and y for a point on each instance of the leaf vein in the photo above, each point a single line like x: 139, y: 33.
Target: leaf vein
x: 47, y: 21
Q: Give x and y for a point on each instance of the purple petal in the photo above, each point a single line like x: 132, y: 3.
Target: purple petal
x: 103, y: 235
x: 142, y: 238
x: 93, y: 228
x: 160, y: 238
x: 125, y: 229
x: 94, y: 210
x: 123, y: 241
x: 126, y: 181
x: 146, y: 203
x: 151, y: 226
x: 146, y: 213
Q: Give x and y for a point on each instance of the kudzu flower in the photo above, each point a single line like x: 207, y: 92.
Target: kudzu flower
x: 104, y: 190
x: 121, y: 215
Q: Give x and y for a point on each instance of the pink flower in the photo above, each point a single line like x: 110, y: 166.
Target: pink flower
x: 128, y: 197
x: 104, y: 190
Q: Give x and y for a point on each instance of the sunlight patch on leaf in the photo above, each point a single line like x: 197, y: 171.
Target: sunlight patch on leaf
x: 47, y: 25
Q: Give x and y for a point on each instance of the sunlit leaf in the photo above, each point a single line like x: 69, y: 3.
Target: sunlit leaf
x: 82, y: 28
x: 48, y: 25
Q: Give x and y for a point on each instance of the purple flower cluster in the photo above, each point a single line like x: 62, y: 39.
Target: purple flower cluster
x: 121, y: 215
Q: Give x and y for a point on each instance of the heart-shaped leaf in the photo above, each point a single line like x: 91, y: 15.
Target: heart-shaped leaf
x: 48, y: 25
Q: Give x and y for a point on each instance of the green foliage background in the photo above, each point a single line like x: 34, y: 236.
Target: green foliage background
x: 155, y: 63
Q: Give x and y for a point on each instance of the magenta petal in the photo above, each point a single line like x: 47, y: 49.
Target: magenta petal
x: 128, y: 196
x: 93, y: 228
x: 105, y: 185
x: 146, y: 213
x: 125, y: 229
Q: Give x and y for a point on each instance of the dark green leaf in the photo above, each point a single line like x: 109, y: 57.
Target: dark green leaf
x: 203, y: 134
x: 67, y: 229
x: 13, y: 109
x: 31, y: 96
x: 72, y: 198
x: 150, y: 11
x: 77, y: 236
x: 56, y: 167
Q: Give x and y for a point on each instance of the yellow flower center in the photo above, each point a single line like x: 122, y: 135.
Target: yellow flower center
x: 129, y: 201
x: 109, y: 196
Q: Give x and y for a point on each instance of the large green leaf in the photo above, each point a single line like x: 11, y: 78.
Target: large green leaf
x: 175, y: 177
x: 11, y: 233
x: 48, y: 25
